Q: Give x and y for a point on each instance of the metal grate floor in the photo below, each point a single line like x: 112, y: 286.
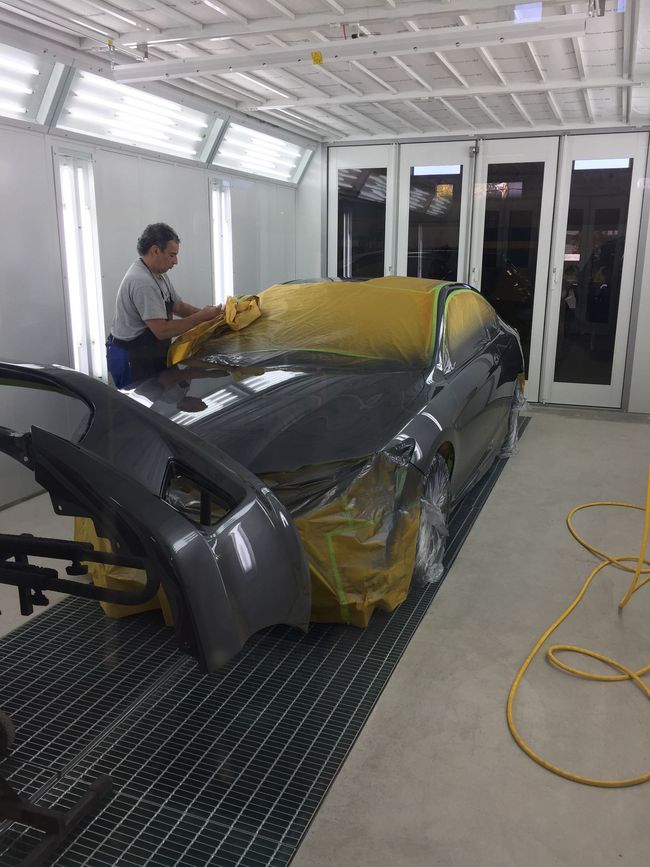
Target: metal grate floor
x: 225, y: 769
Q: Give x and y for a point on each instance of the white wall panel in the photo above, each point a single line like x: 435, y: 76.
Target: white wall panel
x: 179, y: 196
x: 245, y: 236
x: 277, y: 234
x: 311, y: 219
x: 119, y: 220
x: 264, y: 232
x: 133, y: 191
x: 639, y: 345
x: 32, y: 311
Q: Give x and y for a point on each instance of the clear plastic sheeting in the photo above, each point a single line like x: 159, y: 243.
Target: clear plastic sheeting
x: 391, y: 318
x: 469, y: 323
x: 511, y: 442
x: 237, y: 313
x: 434, y: 519
x: 359, y: 529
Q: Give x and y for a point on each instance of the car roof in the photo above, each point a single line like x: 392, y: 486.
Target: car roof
x: 389, y: 318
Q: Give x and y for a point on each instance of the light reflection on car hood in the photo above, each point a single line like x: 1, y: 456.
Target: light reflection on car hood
x: 274, y: 419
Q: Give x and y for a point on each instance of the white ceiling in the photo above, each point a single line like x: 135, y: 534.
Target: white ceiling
x: 388, y: 71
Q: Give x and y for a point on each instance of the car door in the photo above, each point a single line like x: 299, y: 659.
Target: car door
x: 471, y: 360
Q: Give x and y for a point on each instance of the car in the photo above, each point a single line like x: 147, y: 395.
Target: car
x: 369, y: 409
x: 301, y: 468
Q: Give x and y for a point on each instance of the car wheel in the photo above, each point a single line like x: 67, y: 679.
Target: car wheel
x: 510, y: 443
x: 434, y: 521
x: 7, y: 734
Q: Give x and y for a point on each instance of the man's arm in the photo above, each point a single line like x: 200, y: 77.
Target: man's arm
x: 164, y: 329
x: 183, y: 309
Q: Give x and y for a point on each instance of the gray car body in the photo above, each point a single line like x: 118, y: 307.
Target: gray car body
x: 326, y: 409
x: 223, y: 582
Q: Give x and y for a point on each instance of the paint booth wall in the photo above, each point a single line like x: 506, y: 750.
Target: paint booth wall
x: 131, y: 190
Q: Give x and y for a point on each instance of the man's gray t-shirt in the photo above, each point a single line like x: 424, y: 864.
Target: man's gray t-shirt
x: 142, y: 295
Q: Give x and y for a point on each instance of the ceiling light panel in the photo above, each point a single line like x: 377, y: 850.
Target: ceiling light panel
x: 98, y: 107
x: 23, y: 83
x: 246, y: 150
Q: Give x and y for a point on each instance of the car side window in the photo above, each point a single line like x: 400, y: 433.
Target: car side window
x: 470, y: 322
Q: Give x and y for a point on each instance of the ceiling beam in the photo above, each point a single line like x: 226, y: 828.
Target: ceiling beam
x: 555, y: 108
x: 630, y: 46
x: 437, y: 39
x: 486, y: 108
x: 380, y: 81
x: 16, y: 24
x: 60, y: 18
x: 123, y: 14
x: 364, y: 14
x: 398, y: 117
x: 524, y: 132
x: 451, y: 69
x: 520, y: 108
x: 411, y: 72
x: 282, y: 9
x: 416, y: 108
x: 456, y: 113
x: 451, y: 92
x: 485, y: 55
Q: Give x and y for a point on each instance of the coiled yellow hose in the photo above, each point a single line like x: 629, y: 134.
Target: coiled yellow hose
x: 642, y: 568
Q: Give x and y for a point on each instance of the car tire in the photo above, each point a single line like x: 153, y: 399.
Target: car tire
x: 7, y: 734
x: 510, y: 445
x: 434, y: 524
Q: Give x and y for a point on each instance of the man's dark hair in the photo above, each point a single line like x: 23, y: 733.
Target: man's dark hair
x: 156, y: 234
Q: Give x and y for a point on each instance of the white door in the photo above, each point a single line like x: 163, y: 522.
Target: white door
x: 514, y: 193
x: 435, y: 195
x: 361, y: 211
x: 593, y: 253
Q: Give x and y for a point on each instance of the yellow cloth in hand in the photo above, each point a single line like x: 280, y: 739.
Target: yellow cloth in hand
x: 237, y: 314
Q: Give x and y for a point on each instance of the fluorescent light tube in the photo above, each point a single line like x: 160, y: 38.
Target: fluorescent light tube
x: 12, y: 87
x: 13, y: 107
x: 17, y: 66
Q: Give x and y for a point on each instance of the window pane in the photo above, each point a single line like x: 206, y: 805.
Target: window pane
x: 434, y: 221
x: 512, y: 214
x: 362, y: 223
x: 591, y: 280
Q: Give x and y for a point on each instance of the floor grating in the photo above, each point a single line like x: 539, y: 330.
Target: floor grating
x: 225, y: 769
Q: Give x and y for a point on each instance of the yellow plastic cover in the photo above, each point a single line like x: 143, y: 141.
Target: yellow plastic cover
x: 238, y: 313
x: 117, y: 577
x: 361, y: 545
x: 389, y: 318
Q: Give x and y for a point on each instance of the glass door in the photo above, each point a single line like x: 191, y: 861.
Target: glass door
x: 593, y: 261
x: 511, y: 237
x: 361, y: 196
x: 435, y: 186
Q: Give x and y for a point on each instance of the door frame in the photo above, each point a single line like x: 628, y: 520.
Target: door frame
x: 603, y: 146
x: 361, y: 157
x: 439, y: 154
x: 522, y: 150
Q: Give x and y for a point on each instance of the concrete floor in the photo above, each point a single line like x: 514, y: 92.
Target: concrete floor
x: 434, y: 779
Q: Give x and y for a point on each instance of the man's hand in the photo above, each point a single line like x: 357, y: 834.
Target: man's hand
x: 208, y: 313
x: 163, y: 329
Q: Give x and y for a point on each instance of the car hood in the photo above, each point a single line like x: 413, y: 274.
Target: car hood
x: 279, y: 418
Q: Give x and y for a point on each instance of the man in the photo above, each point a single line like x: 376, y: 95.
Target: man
x: 146, y: 304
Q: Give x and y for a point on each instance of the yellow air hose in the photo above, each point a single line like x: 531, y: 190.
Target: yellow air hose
x: 642, y: 568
